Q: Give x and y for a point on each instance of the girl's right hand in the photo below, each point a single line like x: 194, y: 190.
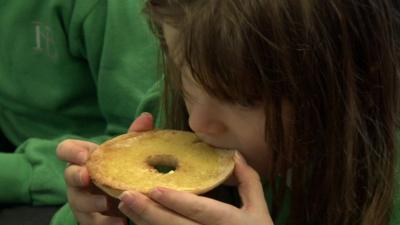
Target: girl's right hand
x: 91, y: 207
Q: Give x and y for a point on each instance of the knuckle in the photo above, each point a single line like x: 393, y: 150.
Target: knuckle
x: 225, y: 216
x: 72, y: 176
x: 197, y: 210
x: 68, y: 175
x: 82, y: 203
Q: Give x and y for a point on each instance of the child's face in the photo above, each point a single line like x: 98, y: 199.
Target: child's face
x: 223, y: 124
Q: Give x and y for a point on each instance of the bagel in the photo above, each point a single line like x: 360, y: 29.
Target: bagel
x: 142, y: 161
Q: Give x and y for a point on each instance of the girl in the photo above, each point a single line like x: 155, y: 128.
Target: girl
x: 307, y: 91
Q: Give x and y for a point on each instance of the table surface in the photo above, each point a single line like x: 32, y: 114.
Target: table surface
x: 26, y: 215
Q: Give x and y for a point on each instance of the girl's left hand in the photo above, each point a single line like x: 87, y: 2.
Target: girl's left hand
x: 165, y: 206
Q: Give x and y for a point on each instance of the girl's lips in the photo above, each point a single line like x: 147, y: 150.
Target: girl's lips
x: 211, y: 143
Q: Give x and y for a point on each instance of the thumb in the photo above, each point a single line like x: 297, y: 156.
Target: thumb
x: 250, y: 187
x: 75, y: 151
x: 144, y: 122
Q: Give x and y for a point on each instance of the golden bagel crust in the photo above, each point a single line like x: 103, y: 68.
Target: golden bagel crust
x: 122, y: 163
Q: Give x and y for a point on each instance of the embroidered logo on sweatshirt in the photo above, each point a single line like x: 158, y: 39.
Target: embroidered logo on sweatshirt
x: 44, y: 40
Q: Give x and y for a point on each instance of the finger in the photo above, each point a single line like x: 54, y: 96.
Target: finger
x: 142, y: 209
x: 143, y: 123
x: 75, y: 151
x: 80, y: 186
x: 83, y: 201
x: 76, y: 176
x: 131, y: 214
x: 250, y: 186
x: 98, y: 219
x: 200, y: 209
x: 112, y: 204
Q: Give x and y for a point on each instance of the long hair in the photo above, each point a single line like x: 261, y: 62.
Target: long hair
x: 336, y: 62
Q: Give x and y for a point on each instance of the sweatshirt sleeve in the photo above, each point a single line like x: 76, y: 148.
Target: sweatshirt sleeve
x: 114, y: 38
x: 121, y: 51
x: 64, y: 216
x: 33, y: 174
x: 15, y: 173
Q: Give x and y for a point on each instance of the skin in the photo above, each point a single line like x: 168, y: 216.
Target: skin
x: 217, y: 123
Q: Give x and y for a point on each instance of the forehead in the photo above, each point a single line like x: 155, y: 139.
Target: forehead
x: 214, y: 68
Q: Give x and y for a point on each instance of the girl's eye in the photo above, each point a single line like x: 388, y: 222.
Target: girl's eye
x: 249, y: 104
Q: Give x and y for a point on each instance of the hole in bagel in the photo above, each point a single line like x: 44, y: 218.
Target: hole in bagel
x: 163, y: 163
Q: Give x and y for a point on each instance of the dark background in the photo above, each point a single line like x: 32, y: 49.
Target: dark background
x: 18, y: 214
x: 26, y: 215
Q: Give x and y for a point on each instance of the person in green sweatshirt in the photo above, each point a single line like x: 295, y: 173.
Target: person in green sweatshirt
x: 307, y: 91
x: 68, y: 69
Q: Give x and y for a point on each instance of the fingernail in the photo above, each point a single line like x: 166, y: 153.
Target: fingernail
x: 145, y: 114
x: 128, y: 199
x: 101, y: 204
x: 239, y: 157
x: 82, y: 157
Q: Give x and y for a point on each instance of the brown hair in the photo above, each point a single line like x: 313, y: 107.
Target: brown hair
x: 336, y: 62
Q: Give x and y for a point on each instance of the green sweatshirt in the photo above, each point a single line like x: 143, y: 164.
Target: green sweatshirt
x: 68, y: 69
